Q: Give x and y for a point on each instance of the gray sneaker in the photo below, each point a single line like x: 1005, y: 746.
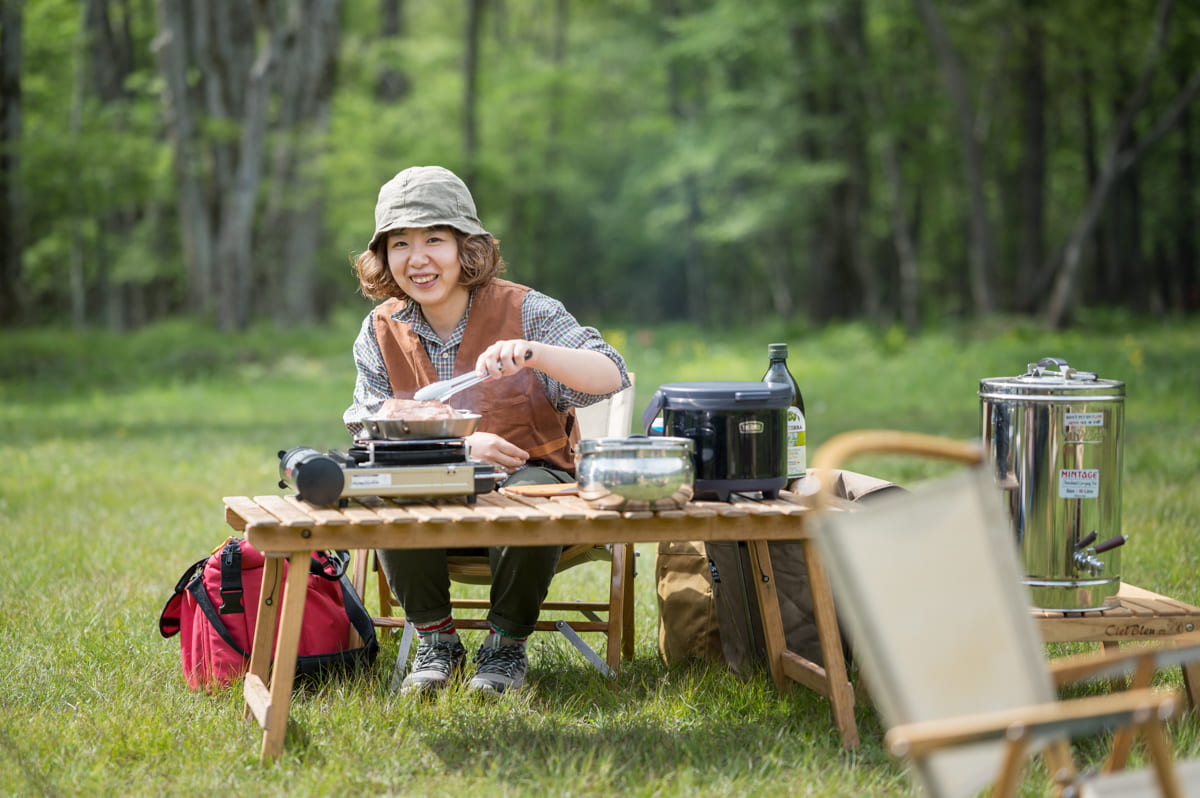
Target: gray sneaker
x: 439, y: 659
x: 499, y: 668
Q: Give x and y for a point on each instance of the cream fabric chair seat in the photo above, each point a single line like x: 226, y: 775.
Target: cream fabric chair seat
x: 929, y: 587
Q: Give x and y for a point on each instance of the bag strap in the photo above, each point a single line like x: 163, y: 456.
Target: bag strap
x: 231, y: 578
x: 358, y: 615
x: 196, y: 588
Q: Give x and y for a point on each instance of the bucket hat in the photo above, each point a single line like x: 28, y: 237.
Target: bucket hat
x: 425, y: 196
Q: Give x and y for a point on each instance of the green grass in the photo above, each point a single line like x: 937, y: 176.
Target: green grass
x: 118, y: 449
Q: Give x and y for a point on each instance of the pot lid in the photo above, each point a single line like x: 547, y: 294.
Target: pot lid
x: 1049, y: 378
x: 641, y: 445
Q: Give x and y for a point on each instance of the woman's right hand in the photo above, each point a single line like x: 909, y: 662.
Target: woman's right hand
x: 491, y: 448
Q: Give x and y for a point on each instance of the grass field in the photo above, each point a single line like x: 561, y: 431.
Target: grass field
x: 118, y: 449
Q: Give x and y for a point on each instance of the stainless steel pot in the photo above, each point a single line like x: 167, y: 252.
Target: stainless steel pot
x: 1054, y: 437
x: 637, y: 468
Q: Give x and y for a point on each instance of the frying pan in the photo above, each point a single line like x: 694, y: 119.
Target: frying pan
x: 398, y: 429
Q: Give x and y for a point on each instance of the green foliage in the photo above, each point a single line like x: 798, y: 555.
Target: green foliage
x: 120, y: 447
x: 712, y: 161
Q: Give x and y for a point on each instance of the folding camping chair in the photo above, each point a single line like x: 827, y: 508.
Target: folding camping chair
x: 613, y: 616
x: 928, y: 586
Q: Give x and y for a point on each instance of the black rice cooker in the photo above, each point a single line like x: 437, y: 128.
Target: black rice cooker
x: 739, y: 429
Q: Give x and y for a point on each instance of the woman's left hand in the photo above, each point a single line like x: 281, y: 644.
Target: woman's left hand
x: 505, y: 358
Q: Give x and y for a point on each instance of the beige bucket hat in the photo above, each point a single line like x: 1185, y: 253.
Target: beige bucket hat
x: 425, y: 196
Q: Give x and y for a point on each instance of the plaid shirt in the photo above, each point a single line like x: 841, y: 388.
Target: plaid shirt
x: 543, y: 319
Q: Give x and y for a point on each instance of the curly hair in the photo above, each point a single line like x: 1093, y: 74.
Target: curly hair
x: 478, y: 257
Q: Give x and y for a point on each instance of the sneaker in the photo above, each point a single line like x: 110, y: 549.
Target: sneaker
x: 499, y: 667
x: 439, y: 658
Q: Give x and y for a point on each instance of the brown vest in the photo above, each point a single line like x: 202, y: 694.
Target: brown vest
x: 515, y: 408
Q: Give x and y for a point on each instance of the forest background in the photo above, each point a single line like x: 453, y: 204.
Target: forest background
x: 709, y: 161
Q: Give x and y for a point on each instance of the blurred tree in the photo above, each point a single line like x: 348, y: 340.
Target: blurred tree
x: 231, y: 72
x: 1120, y: 154
x: 980, y: 251
x: 12, y: 289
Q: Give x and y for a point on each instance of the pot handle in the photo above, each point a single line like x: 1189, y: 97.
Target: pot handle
x: 652, y: 410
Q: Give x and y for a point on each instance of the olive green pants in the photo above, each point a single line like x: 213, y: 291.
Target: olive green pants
x: 521, y: 575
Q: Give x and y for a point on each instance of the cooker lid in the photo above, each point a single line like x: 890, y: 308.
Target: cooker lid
x: 717, y: 395
x: 1052, y: 377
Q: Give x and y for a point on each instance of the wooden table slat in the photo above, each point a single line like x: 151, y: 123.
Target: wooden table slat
x: 360, y: 514
x: 325, y: 515
x: 522, y: 511
x: 556, y: 509
x: 246, y: 513
x: 288, y: 514
x: 463, y: 513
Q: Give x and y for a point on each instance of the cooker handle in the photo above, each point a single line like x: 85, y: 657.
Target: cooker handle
x: 652, y: 410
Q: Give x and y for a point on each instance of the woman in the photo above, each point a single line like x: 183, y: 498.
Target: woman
x: 445, y: 311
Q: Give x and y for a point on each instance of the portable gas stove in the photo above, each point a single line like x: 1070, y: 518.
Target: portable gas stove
x: 417, y: 469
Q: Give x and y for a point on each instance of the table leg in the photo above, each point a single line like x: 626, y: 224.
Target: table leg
x: 768, y: 609
x: 283, y: 674
x: 257, y: 703
x: 841, y: 695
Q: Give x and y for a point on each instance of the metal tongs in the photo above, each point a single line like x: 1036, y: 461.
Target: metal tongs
x: 444, y: 389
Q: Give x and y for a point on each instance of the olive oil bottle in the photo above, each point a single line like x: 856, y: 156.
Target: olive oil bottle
x: 777, y: 372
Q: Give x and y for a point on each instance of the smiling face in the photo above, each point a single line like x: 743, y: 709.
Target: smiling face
x: 424, y: 262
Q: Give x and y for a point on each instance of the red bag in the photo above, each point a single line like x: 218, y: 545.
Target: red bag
x: 216, y: 602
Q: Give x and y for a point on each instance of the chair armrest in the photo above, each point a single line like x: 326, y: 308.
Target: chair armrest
x: 1110, y: 664
x: 1056, y: 719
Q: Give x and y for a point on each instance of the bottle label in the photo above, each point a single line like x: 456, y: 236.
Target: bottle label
x: 797, y: 458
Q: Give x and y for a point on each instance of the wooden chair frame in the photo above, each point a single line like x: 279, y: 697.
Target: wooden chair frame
x: 614, y: 617
x: 1019, y: 730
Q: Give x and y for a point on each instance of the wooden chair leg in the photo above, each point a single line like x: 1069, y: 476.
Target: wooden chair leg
x: 1009, y: 778
x: 385, y: 592
x: 1160, y: 758
x: 616, y: 603
x: 1060, y: 764
x: 627, y: 641
x: 1143, y: 675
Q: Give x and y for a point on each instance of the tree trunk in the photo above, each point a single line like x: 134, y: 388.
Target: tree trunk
x: 393, y: 83
x: 234, y: 235
x: 855, y: 188
x: 979, y: 246
x: 12, y: 289
x: 877, y: 117
x: 1033, y: 161
x: 292, y: 220
x: 1183, y: 285
x: 195, y: 218
x: 1115, y: 162
x: 695, y: 278
x: 471, y: 88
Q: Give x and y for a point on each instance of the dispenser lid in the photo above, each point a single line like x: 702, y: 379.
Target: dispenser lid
x: 1051, y: 378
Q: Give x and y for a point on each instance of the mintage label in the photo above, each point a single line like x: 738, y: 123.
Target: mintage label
x: 1078, y: 483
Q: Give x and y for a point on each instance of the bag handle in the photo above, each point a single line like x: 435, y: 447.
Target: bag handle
x: 329, y: 565
x: 168, y: 619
